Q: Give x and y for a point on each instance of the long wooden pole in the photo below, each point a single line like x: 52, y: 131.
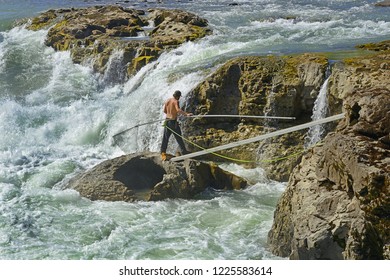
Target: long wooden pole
x: 208, y: 116
x: 259, y: 138
x: 241, y: 116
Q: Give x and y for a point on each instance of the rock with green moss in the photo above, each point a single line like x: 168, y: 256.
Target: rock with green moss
x: 380, y: 46
x: 357, y: 73
x: 94, y: 34
x: 174, y: 27
x: 46, y: 19
x: 257, y: 86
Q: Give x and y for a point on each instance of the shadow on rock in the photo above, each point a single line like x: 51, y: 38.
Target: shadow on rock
x: 143, y: 176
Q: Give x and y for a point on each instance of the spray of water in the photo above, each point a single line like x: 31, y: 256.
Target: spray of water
x: 115, y: 72
x: 320, y: 110
x: 56, y: 119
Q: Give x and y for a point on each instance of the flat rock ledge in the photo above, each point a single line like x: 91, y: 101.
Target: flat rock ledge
x: 143, y: 176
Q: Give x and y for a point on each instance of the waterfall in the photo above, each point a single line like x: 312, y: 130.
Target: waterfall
x: 144, y: 95
x: 116, y: 69
x: 320, y: 109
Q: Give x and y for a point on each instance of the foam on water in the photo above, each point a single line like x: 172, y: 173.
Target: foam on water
x: 315, y: 26
x: 147, y: 91
x: 49, y: 223
x: 23, y: 60
x: 58, y: 118
x: 57, y: 125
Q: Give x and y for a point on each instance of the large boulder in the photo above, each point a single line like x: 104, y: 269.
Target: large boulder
x: 93, y: 34
x: 257, y: 86
x: 337, y: 202
x: 143, y: 176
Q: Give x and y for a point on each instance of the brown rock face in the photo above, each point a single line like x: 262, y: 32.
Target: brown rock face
x: 145, y: 177
x: 337, y: 203
x: 355, y: 74
x: 257, y: 86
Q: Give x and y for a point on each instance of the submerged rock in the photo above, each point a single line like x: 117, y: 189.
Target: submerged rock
x: 144, y: 176
x: 337, y: 202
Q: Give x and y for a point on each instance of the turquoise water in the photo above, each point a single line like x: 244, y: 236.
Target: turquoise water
x: 57, y: 119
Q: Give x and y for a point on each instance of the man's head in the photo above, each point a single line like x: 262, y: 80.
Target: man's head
x: 177, y: 94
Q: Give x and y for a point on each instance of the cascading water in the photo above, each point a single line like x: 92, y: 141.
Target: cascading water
x: 58, y: 118
x: 115, y: 72
x: 145, y: 94
x: 320, y: 110
x: 65, y: 124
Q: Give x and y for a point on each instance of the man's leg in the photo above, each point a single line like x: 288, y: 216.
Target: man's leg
x: 179, y: 139
x: 165, y: 140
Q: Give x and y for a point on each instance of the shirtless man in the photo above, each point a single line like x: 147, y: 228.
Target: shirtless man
x: 172, y: 110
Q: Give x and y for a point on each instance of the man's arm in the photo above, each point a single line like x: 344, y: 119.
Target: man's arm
x: 180, y: 111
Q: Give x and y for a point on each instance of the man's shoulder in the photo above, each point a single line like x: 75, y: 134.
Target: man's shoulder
x: 171, y: 100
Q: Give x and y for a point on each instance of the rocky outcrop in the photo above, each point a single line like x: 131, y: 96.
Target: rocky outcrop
x: 93, y: 34
x: 337, y: 203
x: 275, y: 86
x: 356, y: 74
x: 379, y: 46
x: 144, y: 176
x: 385, y: 3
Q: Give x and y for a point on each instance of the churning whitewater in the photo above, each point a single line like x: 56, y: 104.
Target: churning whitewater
x: 58, y: 118
x: 62, y: 125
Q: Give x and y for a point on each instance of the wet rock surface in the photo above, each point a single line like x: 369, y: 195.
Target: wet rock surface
x: 144, y: 176
x: 257, y: 86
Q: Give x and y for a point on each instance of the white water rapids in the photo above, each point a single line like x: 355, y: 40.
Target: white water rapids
x: 57, y: 119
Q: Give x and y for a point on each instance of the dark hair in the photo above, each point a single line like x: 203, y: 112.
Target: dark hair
x: 177, y: 93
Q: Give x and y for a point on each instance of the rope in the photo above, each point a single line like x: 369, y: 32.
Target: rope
x: 236, y: 159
